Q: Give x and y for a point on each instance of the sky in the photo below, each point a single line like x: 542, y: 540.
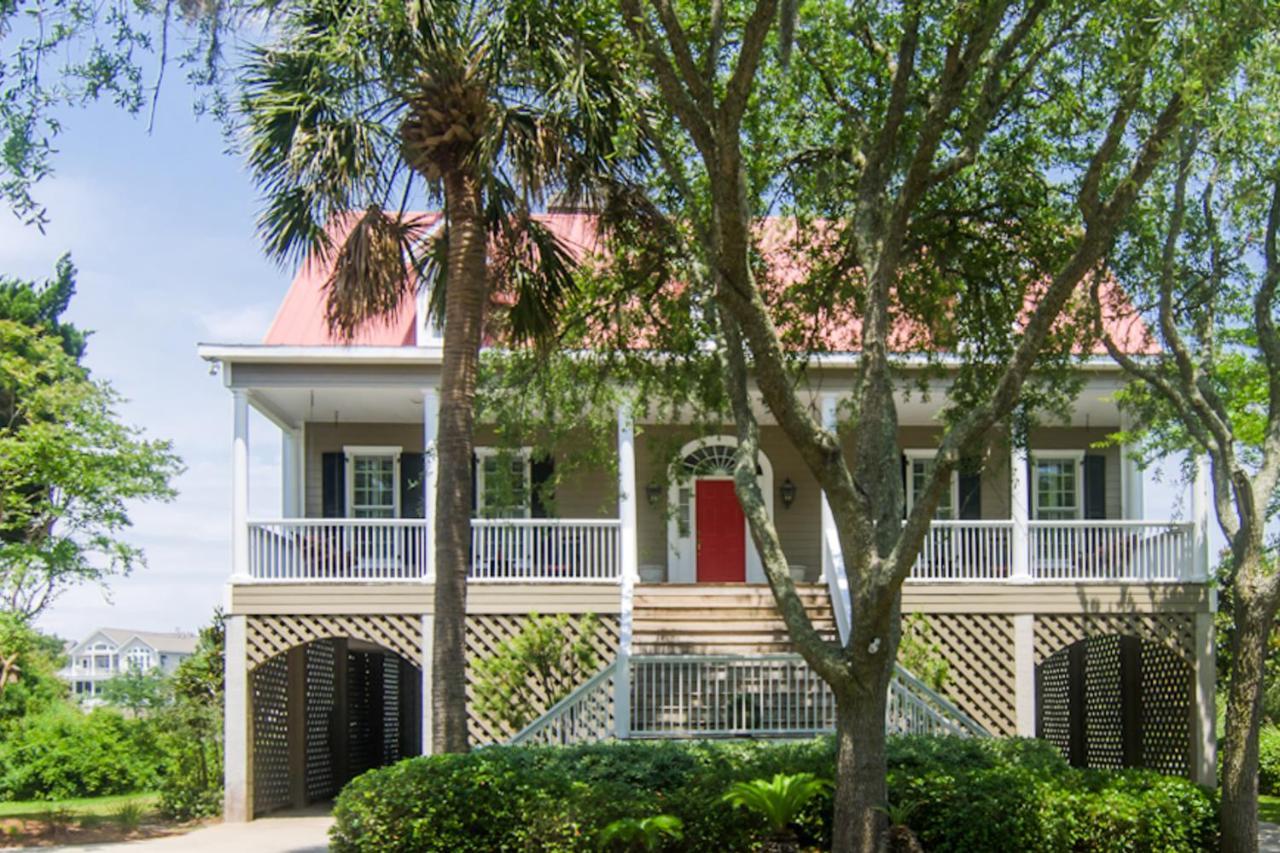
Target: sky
x: 161, y: 227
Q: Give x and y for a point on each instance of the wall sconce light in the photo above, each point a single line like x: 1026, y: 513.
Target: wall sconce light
x: 652, y: 492
x: 788, y: 492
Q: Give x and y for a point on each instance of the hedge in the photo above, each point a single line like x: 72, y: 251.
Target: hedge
x: 962, y: 795
x: 1269, y: 760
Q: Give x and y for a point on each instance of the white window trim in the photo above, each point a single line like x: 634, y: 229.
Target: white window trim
x: 1075, y: 456
x: 912, y: 455
x: 523, y: 453
x: 350, y: 452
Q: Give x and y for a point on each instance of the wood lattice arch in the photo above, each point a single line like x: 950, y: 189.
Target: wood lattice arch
x: 269, y: 636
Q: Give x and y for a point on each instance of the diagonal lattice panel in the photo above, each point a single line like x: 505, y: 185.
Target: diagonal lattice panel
x: 268, y: 636
x: 1174, y: 631
x: 485, y: 635
x: 978, y: 649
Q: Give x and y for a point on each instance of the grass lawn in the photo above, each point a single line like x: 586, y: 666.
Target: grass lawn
x: 1268, y: 808
x: 79, y: 807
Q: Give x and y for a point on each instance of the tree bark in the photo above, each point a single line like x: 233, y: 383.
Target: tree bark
x: 465, y: 299
x: 1255, y: 619
x: 862, y: 790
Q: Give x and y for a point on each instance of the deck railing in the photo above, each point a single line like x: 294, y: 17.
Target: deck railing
x: 1111, y: 550
x: 545, y: 549
x: 333, y: 549
x: 701, y: 696
x: 590, y: 550
x: 966, y: 551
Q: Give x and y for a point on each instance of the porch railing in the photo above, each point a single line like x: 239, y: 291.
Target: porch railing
x: 317, y: 549
x: 545, y: 549
x: 1111, y: 550
x: 1092, y: 550
x: 700, y: 696
x: 966, y: 551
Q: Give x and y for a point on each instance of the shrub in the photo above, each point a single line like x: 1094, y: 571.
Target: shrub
x: 63, y: 753
x: 1269, y: 760
x: 967, y: 795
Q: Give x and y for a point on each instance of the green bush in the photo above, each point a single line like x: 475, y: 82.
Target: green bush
x: 63, y: 753
x: 970, y: 795
x: 1269, y: 760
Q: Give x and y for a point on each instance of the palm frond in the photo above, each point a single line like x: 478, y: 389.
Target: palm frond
x: 373, y: 272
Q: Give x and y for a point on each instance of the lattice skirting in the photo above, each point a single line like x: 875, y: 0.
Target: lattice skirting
x: 1174, y: 631
x: 268, y: 636
x: 978, y: 649
x: 486, y: 633
x: 270, y: 684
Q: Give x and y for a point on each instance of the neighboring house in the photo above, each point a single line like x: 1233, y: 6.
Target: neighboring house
x: 1061, y: 609
x: 109, y: 652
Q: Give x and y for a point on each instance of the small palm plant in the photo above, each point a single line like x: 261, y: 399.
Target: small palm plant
x: 641, y: 834
x: 899, y: 837
x: 779, y: 801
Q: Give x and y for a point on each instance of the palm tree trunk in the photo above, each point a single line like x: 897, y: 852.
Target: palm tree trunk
x: 862, y: 790
x: 468, y: 290
x: 1254, y: 623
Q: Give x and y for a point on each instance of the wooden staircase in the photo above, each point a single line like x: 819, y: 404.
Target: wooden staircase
x: 719, y: 619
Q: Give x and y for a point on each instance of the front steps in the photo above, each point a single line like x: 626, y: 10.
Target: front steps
x: 719, y: 619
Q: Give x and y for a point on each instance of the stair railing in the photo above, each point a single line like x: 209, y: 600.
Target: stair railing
x: 584, y: 716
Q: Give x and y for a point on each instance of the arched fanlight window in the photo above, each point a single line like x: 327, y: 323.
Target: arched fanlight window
x: 712, y: 460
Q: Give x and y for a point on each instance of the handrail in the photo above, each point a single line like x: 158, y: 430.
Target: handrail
x: 541, y: 729
x: 690, y: 685
x: 837, y: 585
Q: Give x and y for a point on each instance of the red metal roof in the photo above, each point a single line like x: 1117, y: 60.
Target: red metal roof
x: 300, y: 320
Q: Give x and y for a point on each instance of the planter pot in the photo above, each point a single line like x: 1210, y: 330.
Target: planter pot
x: 652, y: 574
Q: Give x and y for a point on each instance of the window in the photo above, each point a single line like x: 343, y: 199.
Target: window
x: 919, y: 469
x: 374, y: 478
x: 503, y: 483
x: 138, y: 659
x: 1056, y: 487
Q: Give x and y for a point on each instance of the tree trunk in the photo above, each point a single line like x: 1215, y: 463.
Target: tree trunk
x: 862, y: 790
x: 1254, y: 620
x: 468, y: 290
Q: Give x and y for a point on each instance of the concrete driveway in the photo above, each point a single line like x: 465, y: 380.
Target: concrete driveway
x: 292, y: 832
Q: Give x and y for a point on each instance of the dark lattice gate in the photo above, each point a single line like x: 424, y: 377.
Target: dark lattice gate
x: 1116, y: 701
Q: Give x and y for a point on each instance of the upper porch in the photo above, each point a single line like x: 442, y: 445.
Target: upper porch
x: 357, y: 474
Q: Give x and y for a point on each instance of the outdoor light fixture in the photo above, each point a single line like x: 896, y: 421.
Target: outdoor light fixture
x: 653, y: 491
x: 788, y: 492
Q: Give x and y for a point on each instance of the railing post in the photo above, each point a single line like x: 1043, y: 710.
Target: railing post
x: 240, y: 487
x: 430, y: 476
x: 628, y: 570
x: 1199, y: 568
x: 1019, y: 498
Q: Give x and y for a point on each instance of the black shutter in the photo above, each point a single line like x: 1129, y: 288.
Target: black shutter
x: 412, y: 486
x: 970, y: 494
x: 1095, y: 486
x: 333, y: 500
x: 541, y: 471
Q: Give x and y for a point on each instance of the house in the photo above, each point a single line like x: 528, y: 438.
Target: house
x: 109, y: 652
x: 1062, y: 610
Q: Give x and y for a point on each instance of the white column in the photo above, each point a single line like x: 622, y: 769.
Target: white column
x: 629, y: 568
x: 240, y: 487
x: 1200, y: 518
x: 1018, y: 502
x: 291, y: 473
x: 428, y: 629
x: 237, y: 732
x: 1024, y: 673
x: 832, y: 557
x: 430, y: 474
x: 1204, y: 757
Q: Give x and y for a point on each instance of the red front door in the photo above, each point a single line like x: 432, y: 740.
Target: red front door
x: 721, y: 527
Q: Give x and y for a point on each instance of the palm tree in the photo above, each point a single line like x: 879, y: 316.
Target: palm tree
x: 361, y: 107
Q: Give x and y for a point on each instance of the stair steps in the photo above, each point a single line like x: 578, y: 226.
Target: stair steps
x: 711, y: 619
